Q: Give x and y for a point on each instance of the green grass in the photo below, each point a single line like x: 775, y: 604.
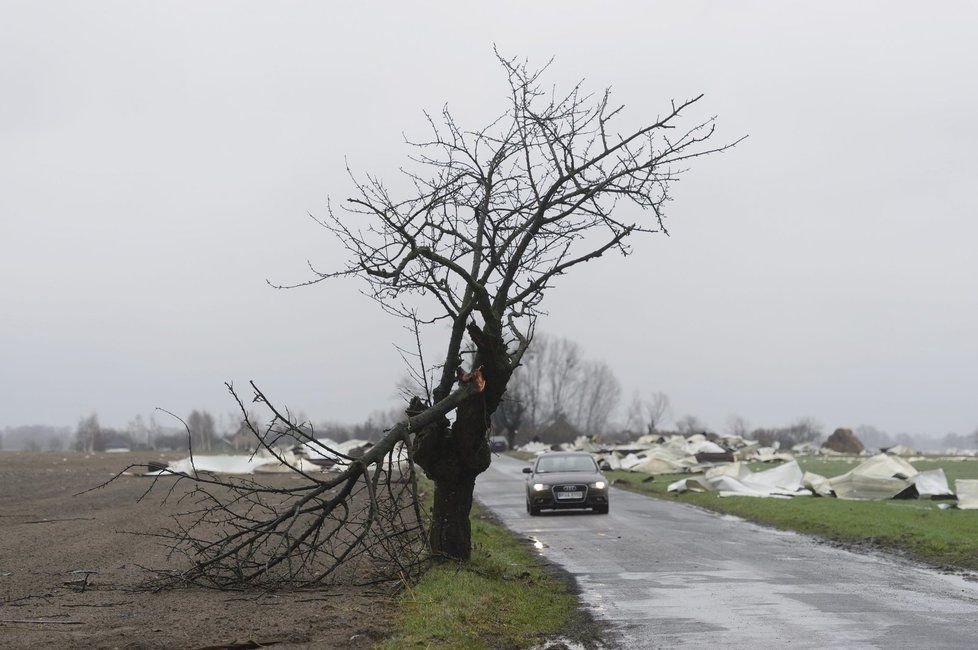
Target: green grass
x: 502, y: 598
x: 916, y: 527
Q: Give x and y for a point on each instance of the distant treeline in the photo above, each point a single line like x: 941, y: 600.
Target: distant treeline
x: 199, y: 428
x: 556, y: 395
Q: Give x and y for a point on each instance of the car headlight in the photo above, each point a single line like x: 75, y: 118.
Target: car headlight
x: 539, y: 487
x: 599, y: 485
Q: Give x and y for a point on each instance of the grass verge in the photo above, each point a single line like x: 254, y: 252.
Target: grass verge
x: 503, y: 598
x: 919, y: 529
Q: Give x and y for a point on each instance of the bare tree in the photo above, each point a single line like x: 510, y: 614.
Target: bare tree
x: 804, y: 429
x: 88, y: 434
x: 555, y: 383
x: 153, y: 432
x: 690, y: 424
x: 562, y: 371
x: 481, y: 225
x: 495, y: 216
x: 512, y: 414
x: 648, y: 415
x: 202, y: 430
x: 138, y: 431
x: 872, y: 437
x: 737, y: 426
x: 598, y: 393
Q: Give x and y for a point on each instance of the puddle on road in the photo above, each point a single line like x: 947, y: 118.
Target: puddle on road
x: 537, y: 544
x: 562, y: 643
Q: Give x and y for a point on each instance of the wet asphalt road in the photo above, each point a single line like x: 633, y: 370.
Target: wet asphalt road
x: 670, y: 575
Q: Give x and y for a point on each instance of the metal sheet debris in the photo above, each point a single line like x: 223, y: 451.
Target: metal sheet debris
x: 259, y: 463
x: 708, y: 462
x: 967, y: 491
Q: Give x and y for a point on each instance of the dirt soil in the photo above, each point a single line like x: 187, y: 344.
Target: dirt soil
x: 46, y: 533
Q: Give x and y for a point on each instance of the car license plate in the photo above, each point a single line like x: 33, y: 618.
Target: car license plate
x: 570, y: 495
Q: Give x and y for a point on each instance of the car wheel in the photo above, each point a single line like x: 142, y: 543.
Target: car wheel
x: 533, y: 510
x: 601, y: 510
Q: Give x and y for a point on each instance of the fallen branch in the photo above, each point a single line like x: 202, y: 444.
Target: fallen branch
x: 360, y: 525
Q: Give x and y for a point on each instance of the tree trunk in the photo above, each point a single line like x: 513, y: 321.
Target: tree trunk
x: 451, y: 531
x: 453, y: 455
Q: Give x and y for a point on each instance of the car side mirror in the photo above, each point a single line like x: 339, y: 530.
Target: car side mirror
x: 527, y: 470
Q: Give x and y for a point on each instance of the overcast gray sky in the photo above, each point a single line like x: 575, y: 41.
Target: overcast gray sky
x: 158, y: 159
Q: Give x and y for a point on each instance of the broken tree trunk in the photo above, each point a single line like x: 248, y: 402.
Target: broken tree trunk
x: 453, y: 455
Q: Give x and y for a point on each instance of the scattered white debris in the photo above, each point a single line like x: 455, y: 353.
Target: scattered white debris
x: 817, y: 483
x: 902, y: 450
x: 736, y: 480
x: 967, y: 491
x: 932, y: 483
x: 259, y: 463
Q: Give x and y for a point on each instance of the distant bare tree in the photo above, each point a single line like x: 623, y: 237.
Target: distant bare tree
x: 635, y: 415
x: 531, y: 381
x: 153, y: 432
x: 202, y: 430
x: 657, y: 410
x: 597, y: 396
x: 512, y: 412
x: 805, y: 429
x: 138, y: 431
x: 555, y: 383
x: 737, y: 426
x: 562, y: 368
x: 88, y: 434
x: 646, y: 416
x: 690, y: 424
x: 872, y: 437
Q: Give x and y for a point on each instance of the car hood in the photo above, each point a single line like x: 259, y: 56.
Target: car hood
x: 553, y: 478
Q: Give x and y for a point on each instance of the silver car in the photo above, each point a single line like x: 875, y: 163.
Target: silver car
x: 565, y: 480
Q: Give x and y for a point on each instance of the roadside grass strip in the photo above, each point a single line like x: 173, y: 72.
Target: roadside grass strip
x: 917, y: 528
x: 502, y: 598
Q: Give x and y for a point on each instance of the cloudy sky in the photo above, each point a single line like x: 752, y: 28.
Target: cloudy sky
x: 158, y: 161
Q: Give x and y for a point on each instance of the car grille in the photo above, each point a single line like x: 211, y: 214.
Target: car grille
x: 564, y: 488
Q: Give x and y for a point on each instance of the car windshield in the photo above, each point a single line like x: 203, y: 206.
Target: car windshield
x: 566, y: 464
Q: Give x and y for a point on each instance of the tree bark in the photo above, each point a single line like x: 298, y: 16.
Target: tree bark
x: 450, y: 534
x: 453, y: 455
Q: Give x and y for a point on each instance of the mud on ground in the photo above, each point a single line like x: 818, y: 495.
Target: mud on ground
x: 46, y: 533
